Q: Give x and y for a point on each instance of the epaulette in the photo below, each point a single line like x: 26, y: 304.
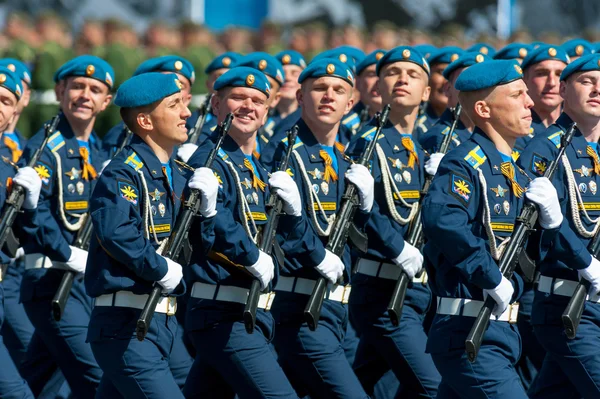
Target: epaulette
x: 263, y: 138
x: 475, y: 157
x: 212, y: 129
x: 134, y: 161
x: 350, y: 119
x: 368, y: 135
x: 297, y: 144
x: 56, y: 142
x: 184, y: 165
x: 555, y: 138
x: 222, y: 154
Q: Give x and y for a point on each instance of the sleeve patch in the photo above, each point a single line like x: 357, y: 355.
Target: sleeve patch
x: 128, y: 191
x: 44, y: 172
x: 538, y: 165
x: 461, y: 187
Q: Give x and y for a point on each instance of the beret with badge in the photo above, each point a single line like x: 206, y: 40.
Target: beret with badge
x: 168, y: 63
x: 337, y: 54
x: 445, y: 55
x: 590, y: 62
x: 482, y: 48
x: 88, y: 66
x: 11, y: 81
x: 465, y: 60
x: 147, y: 88
x: 266, y: 63
x: 545, y: 52
x: 488, y: 74
x: 225, y: 60
x: 403, y: 54
x: 577, y: 47
x: 291, y: 57
x: 243, y: 76
x: 327, y: 67
x: 370, y: 59
x: 17, y: 67
x: 353, y: 52
x: 513, y: 51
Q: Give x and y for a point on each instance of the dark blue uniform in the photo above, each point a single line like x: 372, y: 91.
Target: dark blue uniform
x: 134, y: 209
x: 314, y: 361
x: 209, y: 122
x: 432, y: 141
x: 461, y: 259
x: 228, y: 359
x: 401, y: 348
x: 113, y: 139
x: 425, y: 121
x: 286, y: 123
x: 570, y: 365
x: 63, y: 201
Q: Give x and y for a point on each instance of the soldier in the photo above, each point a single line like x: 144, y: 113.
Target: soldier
x: 13, y: 142
x: 230, y: 361
x: 366, y: 84
x: 471, y: 207
x: 513, y: 51
x: 576, y: 48
x: 570, y: 366
x: 141, y: 180
x: 68, y: 169
x: 482, y: 48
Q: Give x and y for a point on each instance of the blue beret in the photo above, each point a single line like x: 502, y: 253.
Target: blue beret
x: 482, y: 48
x: 168, y: 63
x: 225, y: 60
x: 596, y: 47
x: 147, y: 88
x: 465, y: 60
x: 537, y: 44
x: 369, y: 60
x: 403, y: 53
x: 577, y: 47
x: 338, y: 54
x: 513, y: 51
x: 17, y: 67
x: 426, y: 49
x: 291, y: 57
x: 488, y: 74
x: 11, y: 81
x: 88, y: 66
x: 590, y: 62
x: 327, y: 67
x: 243, y: 76
x: 445, y: 55
x: 266, y: 63
x: 355, y: 53
x: 543, y: 53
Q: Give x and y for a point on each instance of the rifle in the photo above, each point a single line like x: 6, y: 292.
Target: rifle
x: 267, y: 242
x: 341, y: 229
x: 415, y: 233
x: 508, y: 261
x: 82, y: 240
x: 204, y: 109
x: 15, y: 200
x: 179, y: 237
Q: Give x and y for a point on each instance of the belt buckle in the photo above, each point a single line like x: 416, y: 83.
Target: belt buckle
x: 171, y: 305
x: 346, y: 294
x: 513, y: 313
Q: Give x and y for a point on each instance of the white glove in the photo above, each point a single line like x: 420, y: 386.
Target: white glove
x: 433, y: 163
x: 78, y: 260
x: 410, y: 259
x: 28, y: 178
x: 331, y: 267
x: 20, y: 253
x: 592, y: 274
x: 204, y: 180
x: 541, y: 192
x: 502, y: 295
x: 104, y: 165
x: 263, y: 269
x: 364, y: 182
x: 186, y: 151
x: 287, y: 190
x: 171, y: 280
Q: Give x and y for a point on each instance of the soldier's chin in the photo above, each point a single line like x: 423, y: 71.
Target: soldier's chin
x: 82, y: 114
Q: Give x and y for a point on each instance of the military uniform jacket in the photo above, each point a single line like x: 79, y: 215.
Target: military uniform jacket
x: 536, y: 124
x: 577, y: 187
x: 352, y: 121
x: 469, y: 211
x: 425, y: 121
x: 432, y: 141
x: 320, y: 200
x: 286, y: 124
x: 240, y: 216
x: 134, y: 209
x: 112, y: 139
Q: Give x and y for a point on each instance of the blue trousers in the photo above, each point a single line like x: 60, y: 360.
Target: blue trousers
x: 314, y: 361
x: 533, y: 354
x: 154, y: 368
x: 383, y: 347
x: 230, y: 361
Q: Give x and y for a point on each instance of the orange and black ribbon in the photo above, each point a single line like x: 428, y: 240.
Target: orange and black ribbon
x: 14, y: 149
x: 88, y: 172
x: 256, y: 182
x: 590, y: 151
x: 508, y: 170
x: 410, y: 147
x: 330, y: 173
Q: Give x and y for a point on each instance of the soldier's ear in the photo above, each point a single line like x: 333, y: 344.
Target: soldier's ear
x: 144, y: 121
x: 426, y: 93
x: 563, y: 89
x: 106, y: 102
x: 300, y: 97
x: 482, y: 109
x: 215, y: 102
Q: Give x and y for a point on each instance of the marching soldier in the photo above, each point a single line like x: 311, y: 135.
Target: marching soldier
x: 513, y: 51
x: 576, y: 48
x: 13, y: 142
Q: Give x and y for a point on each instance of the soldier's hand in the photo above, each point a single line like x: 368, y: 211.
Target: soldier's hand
x: 186, y: 151
x: 28, y: 178
x: 502, y: 294
x: 288, y: 192
x: 331, y: 267
x: 364, y: 182
x: 410, y: 259
x: 592, y: 274
x: 171, y: 280
x: 541, y: 192
x: 263, y: 269
x: 204, y: 180
x: 433, y: 163
x: 77, y: 260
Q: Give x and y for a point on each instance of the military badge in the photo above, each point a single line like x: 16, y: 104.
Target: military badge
x: 584, y: 171
x: 44, y: 172
x: 73, y: 174
x: 538, y: 165
x: 325, y: 187
x: 155, y: 195
x: 315, y: 188
x: 128, y: 192
x: 506, y: 207
x: 79, y: 186
x: 583, y: 188
x: 499, y: 191
x: 407, y: 177
x: 162, y: 210
x: 71, y: 188
x: 461, y: 187
x: 593, y: 187
x: 497, y: 209
x: 398, y: 178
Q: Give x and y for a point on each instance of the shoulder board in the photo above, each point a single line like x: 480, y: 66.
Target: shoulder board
x: 184, y: 165
x: 222, y: 154
x: 263, y: 138
x: 56, y: 142
x: 134, y: 161
x: 297, y: 144
x: 368, y: 135
x: 349, y: 119
x: 446, y: 130
x: 422, y: 119
x: 212, y: 129
x: 475, y: 157
x: 555, y: 138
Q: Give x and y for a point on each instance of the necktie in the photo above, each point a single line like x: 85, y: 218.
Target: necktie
x: 88, y: 172
x: 330, y: 173
x: 590, y: 151
x: 14, y: 149
x: 256, y: 182
x: 508, y: 170
x: 410, y: 147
